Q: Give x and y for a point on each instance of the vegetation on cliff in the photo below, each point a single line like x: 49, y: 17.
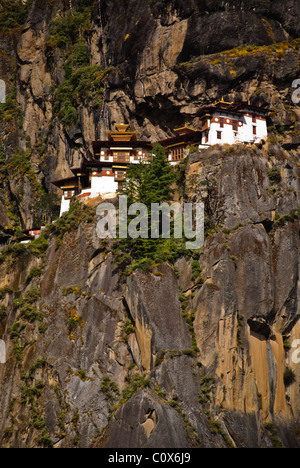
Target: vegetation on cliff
x: 13, y: 14
x: 83, y: 82
x: 187, y: 349
x: 154, y: 183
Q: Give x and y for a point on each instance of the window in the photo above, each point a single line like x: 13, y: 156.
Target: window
x: 254, y: 130
x: 119, y: 176
x: 219, y: 135
x: 177, y: 154
x: 121, y: 156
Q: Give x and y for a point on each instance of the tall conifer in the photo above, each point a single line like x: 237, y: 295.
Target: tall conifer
x: 150, y: 182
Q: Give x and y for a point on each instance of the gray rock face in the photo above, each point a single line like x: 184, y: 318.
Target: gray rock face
x: 146, y: 422
x: 165, y: 331
x: 99, y: 359
x: 117, y: 365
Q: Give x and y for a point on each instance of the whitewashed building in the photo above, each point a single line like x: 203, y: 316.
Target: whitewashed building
x: 104, y: 174
x: 221, y: 123
x: 230, y: 123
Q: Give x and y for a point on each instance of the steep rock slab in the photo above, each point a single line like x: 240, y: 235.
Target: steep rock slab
x: 249, y: 298
x: 131, y: 426
x: 155, y: 308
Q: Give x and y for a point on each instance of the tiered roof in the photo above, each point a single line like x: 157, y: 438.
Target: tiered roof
x: 232, y: 107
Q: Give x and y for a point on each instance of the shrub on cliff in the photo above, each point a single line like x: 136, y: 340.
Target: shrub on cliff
x: 289, y: 377
x: 274, y: 175
x: 12, y: 14
x: 85, y: 83
x: 66, y: 30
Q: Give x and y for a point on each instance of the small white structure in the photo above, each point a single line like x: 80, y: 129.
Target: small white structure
x: 65, y: 201
x: 2, y: 352
x: 232, y: 123
x: 2, y: 92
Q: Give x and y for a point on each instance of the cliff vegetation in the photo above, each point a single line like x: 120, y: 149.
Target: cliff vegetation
x: 116, y: 344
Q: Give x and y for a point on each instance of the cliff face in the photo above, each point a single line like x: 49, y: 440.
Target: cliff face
x: 99, y: 359
x: 171, y: 357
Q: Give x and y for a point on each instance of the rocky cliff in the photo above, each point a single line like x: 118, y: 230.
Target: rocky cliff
x: 196, y: 352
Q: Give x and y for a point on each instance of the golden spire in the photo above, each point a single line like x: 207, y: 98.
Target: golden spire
x: 122, y: 127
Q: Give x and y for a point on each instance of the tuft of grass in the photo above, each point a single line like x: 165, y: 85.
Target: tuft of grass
x: 274, y: 175
x: 109, y: 388
x: 289, y: 377
x: 136, y: 382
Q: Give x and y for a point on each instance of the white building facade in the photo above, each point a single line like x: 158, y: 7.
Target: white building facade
x: 104, y: 174
x: 221, y: 123
x: 231, y: 123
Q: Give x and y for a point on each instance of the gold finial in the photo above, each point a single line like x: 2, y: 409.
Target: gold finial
x: 122, y: 127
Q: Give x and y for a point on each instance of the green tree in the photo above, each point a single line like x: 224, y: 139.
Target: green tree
x: 135, y: 185
x: 152, y: 182
x: 159, y: 178
x: 147, y: 183
x: 46, y: 208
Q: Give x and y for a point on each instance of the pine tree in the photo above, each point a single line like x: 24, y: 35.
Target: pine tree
x: 159, y: 179
x: 135, y: 186
x: 152, y: 182
x: 148, y: 183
